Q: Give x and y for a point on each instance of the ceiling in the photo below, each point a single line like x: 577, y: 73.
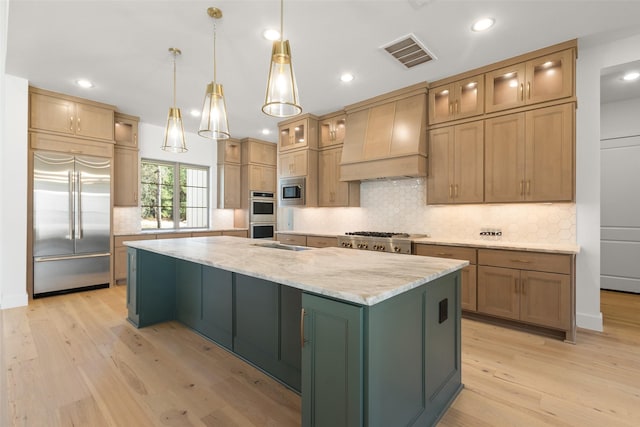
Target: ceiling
x: 122, y: 46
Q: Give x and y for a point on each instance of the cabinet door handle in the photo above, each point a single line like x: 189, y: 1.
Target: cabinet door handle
x: 529, y: 187
x: 302, y: 340
x: 135, y: 196
x: 455, y: 194
x: 457, y: 110
x: 71, y: 123
x: 443, y: 254
x: 135, y: 138
x: 78, y: 126
x: 521, y: 92
x: 450, y: 191
x: 524, y: 284
x: 450, y: 108
x: 528, y: 90
x: 522, y: 261
x: 521, y: 187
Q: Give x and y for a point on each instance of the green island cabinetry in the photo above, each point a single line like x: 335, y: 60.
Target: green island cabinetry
x: 393, y: 363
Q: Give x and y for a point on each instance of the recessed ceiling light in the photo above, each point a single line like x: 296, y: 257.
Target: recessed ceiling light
x: 631, y: 76
x: 347, y: 77
x: 195, y: 113
x: 84, y: 83
x: 483, y: 24
x: 266, y: 131
x: 271, y: 34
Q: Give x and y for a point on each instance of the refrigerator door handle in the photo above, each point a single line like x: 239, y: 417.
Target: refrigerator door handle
x: 72, y: 230
x: 79, y: 225
x: 64, y: 257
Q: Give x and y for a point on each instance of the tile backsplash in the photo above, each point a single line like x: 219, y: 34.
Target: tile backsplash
x: 400, y: 205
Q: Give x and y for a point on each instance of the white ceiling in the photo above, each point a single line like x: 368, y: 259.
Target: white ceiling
x: 122, y: 46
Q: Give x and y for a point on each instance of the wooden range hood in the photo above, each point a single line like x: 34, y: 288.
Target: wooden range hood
x: 386, y: 136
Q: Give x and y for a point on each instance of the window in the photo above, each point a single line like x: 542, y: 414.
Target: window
x: 174, y: 195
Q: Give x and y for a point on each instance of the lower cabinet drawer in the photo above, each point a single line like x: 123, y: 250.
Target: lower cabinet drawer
x: 536, y: 261
x: 442, y: 251
x: 292, y: 239
x: 322, y: 242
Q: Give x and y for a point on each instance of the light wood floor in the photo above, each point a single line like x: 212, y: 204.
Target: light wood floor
x: 75, y: 361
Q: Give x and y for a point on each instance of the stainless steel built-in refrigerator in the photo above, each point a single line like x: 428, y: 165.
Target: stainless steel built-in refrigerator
x: 71, y: 222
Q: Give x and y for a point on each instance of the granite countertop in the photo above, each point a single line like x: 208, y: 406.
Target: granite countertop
x: 182, y: 230
x: 561, y: 248
x: 311, y: 233
x: 360, y: 277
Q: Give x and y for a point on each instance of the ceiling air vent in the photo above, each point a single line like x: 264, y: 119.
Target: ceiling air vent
x: 409, y: 51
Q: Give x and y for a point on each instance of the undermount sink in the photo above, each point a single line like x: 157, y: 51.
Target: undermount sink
x: 281, y: 246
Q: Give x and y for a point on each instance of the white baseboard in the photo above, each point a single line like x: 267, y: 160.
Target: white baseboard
x: 589, y: 321
x: 15, y: 300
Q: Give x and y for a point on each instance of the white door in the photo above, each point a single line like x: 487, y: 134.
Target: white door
x: 620, y: 214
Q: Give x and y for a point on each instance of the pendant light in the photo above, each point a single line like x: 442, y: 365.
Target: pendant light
x: 282, y: 92
x: 174, y: 134
x: 214, y: 124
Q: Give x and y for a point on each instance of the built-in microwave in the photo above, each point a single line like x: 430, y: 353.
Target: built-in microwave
x: 262, y: 207
x: 292, y: 191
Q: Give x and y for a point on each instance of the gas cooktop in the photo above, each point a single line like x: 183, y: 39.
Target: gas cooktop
x: 376, y: 234
x: 379, y: 241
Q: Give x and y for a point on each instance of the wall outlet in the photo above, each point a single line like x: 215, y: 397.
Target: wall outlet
x: 491, y: 233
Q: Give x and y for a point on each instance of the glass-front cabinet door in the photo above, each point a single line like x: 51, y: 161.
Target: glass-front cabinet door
x: 550, y: 77
x: 505, y: 88
x: 538, y: 80
x: 464, y: 98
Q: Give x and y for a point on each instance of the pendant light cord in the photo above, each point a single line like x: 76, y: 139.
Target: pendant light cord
x: 281, y: 20
x: 214, y: 53
x: 174, y: 79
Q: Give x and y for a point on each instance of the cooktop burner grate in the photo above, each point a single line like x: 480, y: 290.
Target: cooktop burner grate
x: 376, y: 234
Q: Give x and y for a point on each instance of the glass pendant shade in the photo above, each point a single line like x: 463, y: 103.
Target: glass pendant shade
x: 214, y: 123
x: 174, y: 140
x: 282, y: 91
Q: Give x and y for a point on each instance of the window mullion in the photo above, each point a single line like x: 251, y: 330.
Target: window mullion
x: 176, y: 195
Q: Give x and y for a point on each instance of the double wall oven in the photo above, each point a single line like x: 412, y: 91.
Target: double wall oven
x: 262, y: 215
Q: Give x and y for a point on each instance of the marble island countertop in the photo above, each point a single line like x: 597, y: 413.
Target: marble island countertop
x: 361, y: 277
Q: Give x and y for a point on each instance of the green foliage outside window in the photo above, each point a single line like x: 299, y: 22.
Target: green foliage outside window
x: 162, y: 196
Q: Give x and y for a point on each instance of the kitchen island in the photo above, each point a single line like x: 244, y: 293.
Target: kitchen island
x: 368, y: 338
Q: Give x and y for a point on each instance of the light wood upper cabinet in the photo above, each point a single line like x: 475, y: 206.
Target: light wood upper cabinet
x: 530, y: 156
x: 61, y: 114
x: 258, y: 152
x: 125, y: 176
x: 229, y: 174
x: 295, y: 163
x: 298, y: 133
x: 456, y: 164
x: 229, y: 186
x: 260, y: 178
x: 464, y: 98
x: 126, y: 130
x: 549, y: 154
x: 331, y: 191
x: 332, y: 130
x: 541, y: 79
x: 229, y: 151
